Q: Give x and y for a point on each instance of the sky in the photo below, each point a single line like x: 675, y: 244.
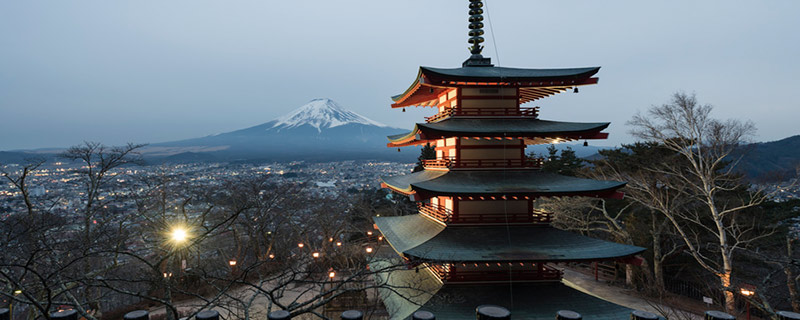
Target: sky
x: 153, y: 71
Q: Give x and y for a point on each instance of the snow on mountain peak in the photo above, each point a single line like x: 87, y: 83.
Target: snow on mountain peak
x: 322, y: 114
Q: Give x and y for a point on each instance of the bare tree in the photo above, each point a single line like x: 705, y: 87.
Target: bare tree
x: 649, y: 190
x: 708, y: 148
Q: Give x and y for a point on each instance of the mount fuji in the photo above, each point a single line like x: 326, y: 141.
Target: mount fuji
x: 321, y: 130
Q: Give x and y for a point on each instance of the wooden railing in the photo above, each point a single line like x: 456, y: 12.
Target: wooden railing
x: 484, y: 112
x: 460, y: 275
x: 435, y: 211
x: 437, y: 163
x: 483, y: 163
x: 443, y: 214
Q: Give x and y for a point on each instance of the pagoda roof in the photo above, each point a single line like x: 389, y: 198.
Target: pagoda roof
x: 407, y: 291
x: 419, y: 237
x: 534, y: 83
x: 508, y: 128
x: 508, y: 74
x: 504, y: 183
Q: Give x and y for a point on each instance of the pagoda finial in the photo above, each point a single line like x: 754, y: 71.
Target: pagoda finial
x: 475, y: 36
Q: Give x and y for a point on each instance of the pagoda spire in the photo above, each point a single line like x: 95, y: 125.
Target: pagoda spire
x: 475, y: 36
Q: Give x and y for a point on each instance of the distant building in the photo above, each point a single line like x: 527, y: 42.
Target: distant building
x: 478, y: 238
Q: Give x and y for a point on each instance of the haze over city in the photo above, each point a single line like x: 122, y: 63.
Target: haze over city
x: 133, y: 71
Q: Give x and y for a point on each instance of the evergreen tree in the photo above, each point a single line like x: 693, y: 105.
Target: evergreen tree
x: 428, y: 152
x: 567, y: 163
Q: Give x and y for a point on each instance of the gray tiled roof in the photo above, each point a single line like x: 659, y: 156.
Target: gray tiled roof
x: 506, y: 182
x: 508, y: 74
x: 417, y: 236
x: 522, y: 127
x: 413, y: 291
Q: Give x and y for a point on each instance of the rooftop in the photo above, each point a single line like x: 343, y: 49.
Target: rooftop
x: 418, y: 237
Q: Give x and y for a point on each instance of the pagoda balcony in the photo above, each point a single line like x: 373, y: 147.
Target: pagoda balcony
x: 484, y: 112
x: 446, y: 215
x: 533, y: 163
x: 489, y: 273
x: 435, y: 211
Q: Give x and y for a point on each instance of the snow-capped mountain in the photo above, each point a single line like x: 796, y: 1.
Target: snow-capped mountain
x: 322, y: 114
x: 319, y: 130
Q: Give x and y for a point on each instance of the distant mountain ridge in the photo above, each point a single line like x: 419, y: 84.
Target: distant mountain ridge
x: 770, y: 161
x: 319, y: 130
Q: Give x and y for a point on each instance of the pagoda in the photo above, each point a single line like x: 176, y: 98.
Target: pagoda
x: 478, y: 237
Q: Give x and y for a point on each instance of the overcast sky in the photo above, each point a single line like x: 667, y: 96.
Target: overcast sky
x: 153, y: 71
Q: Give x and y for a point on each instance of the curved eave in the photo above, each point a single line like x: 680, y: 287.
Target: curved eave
x: 402, y: 184
x: 498, y: 128
x: 418, y: 94
x: 504, y: 74
x: 419, y: 238
x: 430, y: 82
x: 405, y: 139
x: 428, y: 183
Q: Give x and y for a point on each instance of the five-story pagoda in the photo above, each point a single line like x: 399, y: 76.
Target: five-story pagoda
x: 478, y: 238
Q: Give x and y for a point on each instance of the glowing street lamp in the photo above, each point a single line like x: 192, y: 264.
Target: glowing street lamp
x: 369, y: 249
x: 338, y: 243
x: 232, y: 263
x: 315, y: 255
x: 179, y: 235
x: 747, y: 293
x: 331, y: 274
x: 369, y: 233
x: 271, y: 256
x: 300, y: 245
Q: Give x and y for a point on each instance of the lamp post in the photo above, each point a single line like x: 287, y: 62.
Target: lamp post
x: 747, y: 293
x: 11, y: 304
x: 180, y: 238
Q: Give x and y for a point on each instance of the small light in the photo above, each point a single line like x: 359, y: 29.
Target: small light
x: 300, y: 245
x: 369, y: 249
x: 746, y: 292
x: 330, y: 239
x: 380, y: 238
x: 338, y: 244
x: 271, y: 256
x: 315, y: 255
x: 232, y: 263
x: 331, y: 274
x: 369, y: 233
x: 17, y: 291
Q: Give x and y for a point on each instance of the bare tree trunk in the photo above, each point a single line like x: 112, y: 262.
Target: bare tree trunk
x: 629, y: 275
x: 658, y: 275
x: 725, y: 281
x: 791, y: 278
x: 658, y: 257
